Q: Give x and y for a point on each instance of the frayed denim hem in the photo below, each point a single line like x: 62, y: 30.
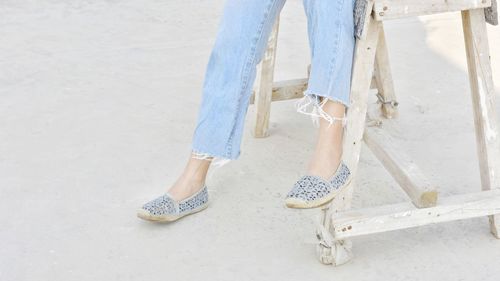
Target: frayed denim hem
x: 217, y: 161
x: 317, y: 111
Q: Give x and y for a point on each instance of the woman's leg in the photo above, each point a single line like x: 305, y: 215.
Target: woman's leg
x: 332, y: 42
x: 239, y: 46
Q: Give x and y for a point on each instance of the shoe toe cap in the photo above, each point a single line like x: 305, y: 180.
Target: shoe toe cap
x: 162, y: 205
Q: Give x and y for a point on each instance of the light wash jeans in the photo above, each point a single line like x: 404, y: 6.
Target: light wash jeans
x: 240, y: 45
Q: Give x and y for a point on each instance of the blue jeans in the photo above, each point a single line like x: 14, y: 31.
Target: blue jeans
x: 240, y: 45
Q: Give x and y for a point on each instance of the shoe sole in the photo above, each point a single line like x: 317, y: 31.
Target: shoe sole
x: 301, y: 204
x: 145, y: 215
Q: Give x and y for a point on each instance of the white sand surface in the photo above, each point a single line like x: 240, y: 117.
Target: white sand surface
x: 98, y: 102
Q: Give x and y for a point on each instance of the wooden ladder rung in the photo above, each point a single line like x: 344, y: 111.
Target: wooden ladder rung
x: 393, y: 9
x: 286, y: 90
x: 404, y: 215
x: 422, y: 193
x: 293, y: 89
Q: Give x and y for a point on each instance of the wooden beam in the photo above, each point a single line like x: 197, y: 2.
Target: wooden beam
x: 362, y: 74
x: 286, y: 90
x: 404, y: 215
x: 293, y: 89
x: 393, y: 9
x: 364, y: 54
x: 383, y: 78
x: 421, y: 191
x: 264, y: 95
x: 483, y: 103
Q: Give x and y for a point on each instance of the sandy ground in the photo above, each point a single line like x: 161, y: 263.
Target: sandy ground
x: 98, y: 102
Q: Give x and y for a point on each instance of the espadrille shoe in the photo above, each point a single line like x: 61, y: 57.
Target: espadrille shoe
x: 164, y: 208
x: 313, y: 191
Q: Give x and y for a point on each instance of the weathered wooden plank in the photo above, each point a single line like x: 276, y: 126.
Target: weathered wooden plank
x: 417, y: 186
x: 340, y: 251
x: 483, y: 103
x: 383, y: 78
x: 264, y: 94
x: 393, y: 9
x: 404, y: 215
x: 287, y: 89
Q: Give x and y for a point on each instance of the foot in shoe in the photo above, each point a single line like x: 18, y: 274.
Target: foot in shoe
x: 165, y: 209
x: 324, y: 162
x: 312, y: 191
x: 185, y: 187
x: 191, y: 180
x: 186, y: 196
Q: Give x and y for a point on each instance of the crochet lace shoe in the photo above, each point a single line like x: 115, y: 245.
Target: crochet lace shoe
x: 313, y: 191
x: 164, y: 208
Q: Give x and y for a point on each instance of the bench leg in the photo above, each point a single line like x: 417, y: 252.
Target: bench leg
x: 264, y: 92
x: 339, y: 252
x: 383, y: 78
x: 483, y: 103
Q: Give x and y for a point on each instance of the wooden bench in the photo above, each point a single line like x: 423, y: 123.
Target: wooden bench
x: 371, y: 70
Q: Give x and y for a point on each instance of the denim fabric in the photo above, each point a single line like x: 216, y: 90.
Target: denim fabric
x: 240, y: 45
